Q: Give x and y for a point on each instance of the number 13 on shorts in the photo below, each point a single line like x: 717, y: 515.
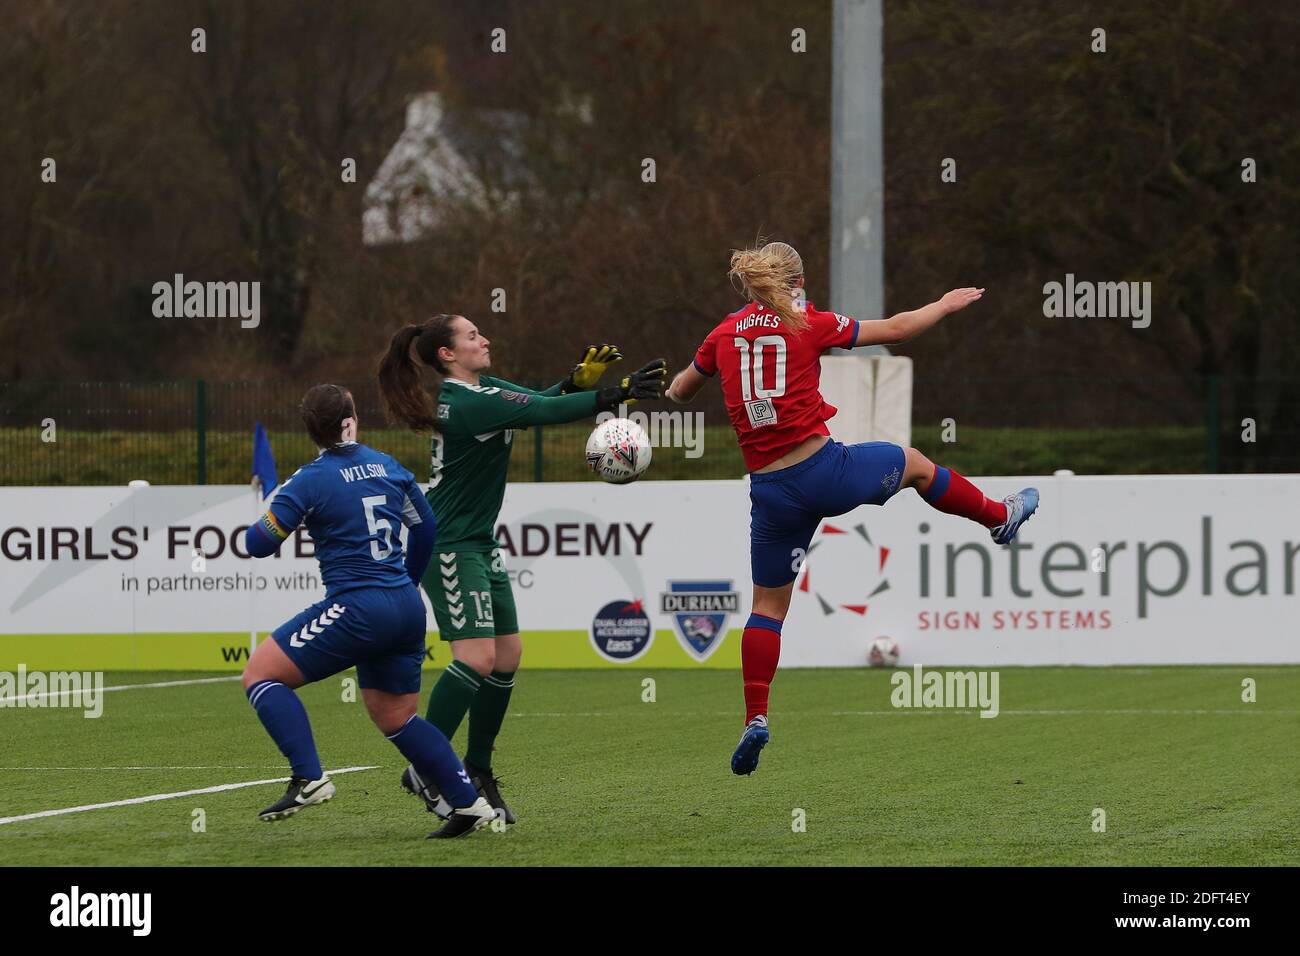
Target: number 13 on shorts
x: 482, y: 607
x: 471, y: 594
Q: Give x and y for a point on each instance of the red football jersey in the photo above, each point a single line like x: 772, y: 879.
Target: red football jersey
x: 770, y: 377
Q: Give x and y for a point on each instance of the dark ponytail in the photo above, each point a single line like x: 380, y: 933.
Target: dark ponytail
x: 400, y: 385
x: 323, y: 409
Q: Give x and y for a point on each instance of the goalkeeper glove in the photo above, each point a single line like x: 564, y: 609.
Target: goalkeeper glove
x: 590, y: 368
x: 646, y: 382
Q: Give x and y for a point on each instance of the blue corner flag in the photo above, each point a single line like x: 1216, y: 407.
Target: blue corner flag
x: 264, y: 461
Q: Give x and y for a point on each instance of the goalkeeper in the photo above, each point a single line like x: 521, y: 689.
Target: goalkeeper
x: 473, y: 422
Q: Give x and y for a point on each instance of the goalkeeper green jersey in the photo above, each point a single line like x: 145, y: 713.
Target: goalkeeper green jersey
x: 471, y: 452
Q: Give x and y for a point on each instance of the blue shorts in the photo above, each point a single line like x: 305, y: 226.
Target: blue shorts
x: 380, y: 630
x: 788, y: 505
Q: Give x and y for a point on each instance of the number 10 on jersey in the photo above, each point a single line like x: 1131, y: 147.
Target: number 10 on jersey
x: 757, y: 398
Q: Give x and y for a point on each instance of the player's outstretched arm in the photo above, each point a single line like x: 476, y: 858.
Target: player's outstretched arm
x: 582, y: 377
x: 686, y: 384
x: 488, y: 409
x: 906, y: 325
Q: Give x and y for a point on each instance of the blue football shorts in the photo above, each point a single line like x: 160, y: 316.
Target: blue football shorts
x: 379, y: 630
x: 787, y: 506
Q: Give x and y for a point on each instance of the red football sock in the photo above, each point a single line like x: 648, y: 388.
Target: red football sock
x: 760, y: 649
x: 952, y: 494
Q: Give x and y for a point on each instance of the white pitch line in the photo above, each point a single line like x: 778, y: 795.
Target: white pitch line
x: 961, y: 712
x: 248, y: 766
x: 153, y: 797
x: 1247, y: 711
x: 939, y: 712
x: 903, y: 712
x: 11, y: 701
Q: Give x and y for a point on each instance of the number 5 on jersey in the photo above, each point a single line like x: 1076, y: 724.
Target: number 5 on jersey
x: 379, y: 551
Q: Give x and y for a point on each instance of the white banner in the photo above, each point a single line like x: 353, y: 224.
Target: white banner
x: 1151, y: 570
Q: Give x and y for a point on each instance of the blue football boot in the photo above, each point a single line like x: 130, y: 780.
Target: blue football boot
x: 745, y: 760
x: 1020, y: 508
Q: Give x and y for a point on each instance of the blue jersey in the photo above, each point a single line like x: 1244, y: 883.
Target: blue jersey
x: 353, y: 501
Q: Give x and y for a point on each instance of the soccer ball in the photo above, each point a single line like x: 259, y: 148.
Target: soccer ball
x: 618, y: 451
x: 883, y: 653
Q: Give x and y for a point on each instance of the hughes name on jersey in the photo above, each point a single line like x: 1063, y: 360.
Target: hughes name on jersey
x: 771, y: 376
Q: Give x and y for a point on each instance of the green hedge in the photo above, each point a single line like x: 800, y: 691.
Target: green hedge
x: 115, y: 457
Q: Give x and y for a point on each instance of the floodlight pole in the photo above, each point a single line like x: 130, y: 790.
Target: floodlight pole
x: 857, y: 164
x: 871, y: 388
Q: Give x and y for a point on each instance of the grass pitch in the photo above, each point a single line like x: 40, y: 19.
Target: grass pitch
x: 1186, y: 772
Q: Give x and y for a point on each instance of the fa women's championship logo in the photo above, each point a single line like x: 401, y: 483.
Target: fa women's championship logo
x: 830, y: 533
x: 699, y: 610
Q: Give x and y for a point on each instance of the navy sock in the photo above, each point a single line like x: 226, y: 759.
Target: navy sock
x: 938, y: 484
x: 430, y: 753
x: 285, y: 719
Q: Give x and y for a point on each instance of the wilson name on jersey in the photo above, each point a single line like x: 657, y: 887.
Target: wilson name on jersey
x: 771, y: 376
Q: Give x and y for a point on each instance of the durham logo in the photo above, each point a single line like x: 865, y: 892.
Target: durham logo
x: 699, y: 611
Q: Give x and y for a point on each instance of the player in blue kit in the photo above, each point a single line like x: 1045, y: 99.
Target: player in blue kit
x: 353, y: 500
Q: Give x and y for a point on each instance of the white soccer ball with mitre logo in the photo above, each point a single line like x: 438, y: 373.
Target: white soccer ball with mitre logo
x: 618, y: 451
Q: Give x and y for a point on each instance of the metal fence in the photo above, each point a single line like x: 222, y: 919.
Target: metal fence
x: 79, y: 433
